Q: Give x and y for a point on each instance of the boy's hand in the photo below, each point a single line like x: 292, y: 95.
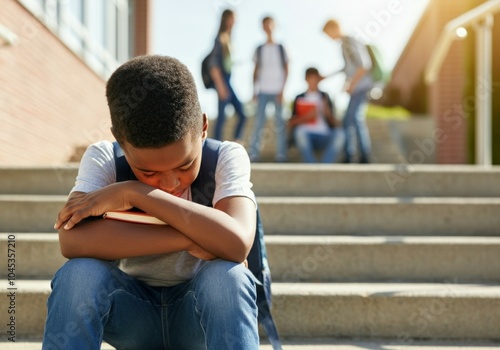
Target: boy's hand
x: 83, y: 205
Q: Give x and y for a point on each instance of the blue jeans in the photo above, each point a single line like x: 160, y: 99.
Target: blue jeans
x: 279, y: 128
x: 308, y: 142
x: 354, y: 122
x: 92, y: 300
x: 221, y: 117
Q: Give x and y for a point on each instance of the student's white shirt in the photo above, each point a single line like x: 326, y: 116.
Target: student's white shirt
x: 232, y: 178
x: 271, y: 74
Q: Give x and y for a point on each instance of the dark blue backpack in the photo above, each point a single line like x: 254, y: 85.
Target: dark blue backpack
x: 202, y: 192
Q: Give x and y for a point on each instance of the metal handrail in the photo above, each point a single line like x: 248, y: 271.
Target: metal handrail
x: 448, y: 35
x: 481, y: 18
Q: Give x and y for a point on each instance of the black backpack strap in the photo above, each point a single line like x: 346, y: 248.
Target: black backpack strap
x: 203, y: 187
x: 282, y: 55
x: 123, y: 170
x: 258, y: 264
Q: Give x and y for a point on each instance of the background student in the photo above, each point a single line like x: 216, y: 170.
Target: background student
x: 270, y: 75
x: 220, y: 70
x: 359, y: 82
x: 313, y: 123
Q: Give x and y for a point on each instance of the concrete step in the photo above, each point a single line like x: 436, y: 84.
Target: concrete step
x: 37, y: 255
x: 341, y: 180
x: 375, y: 180
x: 361, y: 310
x: 380, y: 216
x: 38, y: 179
x: 321, y: 258
x: 29, y: 213
x: 383, y: 258
x: 321, y: 344
x: 401, y: 311
x: 312, y: 215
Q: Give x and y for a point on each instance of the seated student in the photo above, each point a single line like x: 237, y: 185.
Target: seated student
x: 176, y: 286
x: 313, y: 124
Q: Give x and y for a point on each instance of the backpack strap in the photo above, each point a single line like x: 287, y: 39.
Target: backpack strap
x: 123, y: 170
x: 203, y: 187
x: 282, y: 54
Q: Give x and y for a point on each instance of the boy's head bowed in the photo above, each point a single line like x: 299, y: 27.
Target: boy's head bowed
x: 153, y: 102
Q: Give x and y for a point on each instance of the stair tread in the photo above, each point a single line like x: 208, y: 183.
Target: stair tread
x: 322, y: 344
x: 359, y: 240
x: 366, y: 289
x: 376, y: 200
x: 388, y: 289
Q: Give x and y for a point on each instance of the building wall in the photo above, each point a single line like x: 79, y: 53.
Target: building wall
x: 51, y: 103
x: 447, y: 95
x: 447, y: 101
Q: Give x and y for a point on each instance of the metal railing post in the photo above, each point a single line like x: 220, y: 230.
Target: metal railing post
x: 483, y: 90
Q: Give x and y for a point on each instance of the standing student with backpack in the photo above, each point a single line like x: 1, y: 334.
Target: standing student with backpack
x: 176, y: 286
x: 220, y: 65
x: 269, y: 78
x: 358, y: 83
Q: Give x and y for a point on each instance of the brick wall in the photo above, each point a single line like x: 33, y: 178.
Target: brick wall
x: 50, y: 101
x: 448, y: 103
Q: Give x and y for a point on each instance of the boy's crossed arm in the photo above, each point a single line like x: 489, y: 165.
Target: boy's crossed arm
x: 226, y: 231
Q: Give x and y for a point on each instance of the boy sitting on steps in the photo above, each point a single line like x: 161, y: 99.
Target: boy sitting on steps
x: 176, y: 286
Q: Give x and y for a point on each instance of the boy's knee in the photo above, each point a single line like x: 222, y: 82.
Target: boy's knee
x: 227, y: 286
x: 81, y: 273
x: 228, y: 274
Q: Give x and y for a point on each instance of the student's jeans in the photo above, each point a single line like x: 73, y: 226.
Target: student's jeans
x: 308, y: 142
x: 221, y: 118
x: 279, y: 128
x: 355, y: 127
x: 93, y: 300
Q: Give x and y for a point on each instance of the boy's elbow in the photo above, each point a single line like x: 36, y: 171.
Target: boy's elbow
x: 67, y: 247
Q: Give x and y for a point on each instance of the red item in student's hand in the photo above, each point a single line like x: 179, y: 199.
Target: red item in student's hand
x: 304, y: 107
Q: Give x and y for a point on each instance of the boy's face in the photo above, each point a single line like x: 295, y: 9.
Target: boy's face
x: 268, y: 26
x: 313, y: 81
x: 333, y: 32
x: 171, y: 168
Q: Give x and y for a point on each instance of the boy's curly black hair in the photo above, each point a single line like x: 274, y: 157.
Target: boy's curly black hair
x: 153, y: 102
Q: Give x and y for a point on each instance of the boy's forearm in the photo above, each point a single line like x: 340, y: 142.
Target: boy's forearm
x: 111, y: 240
x: 215, y: 230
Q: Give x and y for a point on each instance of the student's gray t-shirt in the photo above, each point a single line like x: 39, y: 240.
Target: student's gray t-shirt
x: 232, y: 178
x: 356, y: 56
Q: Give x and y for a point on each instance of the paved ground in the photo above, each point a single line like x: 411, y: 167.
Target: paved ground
x: 325, y: 344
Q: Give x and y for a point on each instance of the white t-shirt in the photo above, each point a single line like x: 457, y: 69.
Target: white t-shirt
x: 271, y: 74
x: 232, y: 178
x: 320, y: 126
